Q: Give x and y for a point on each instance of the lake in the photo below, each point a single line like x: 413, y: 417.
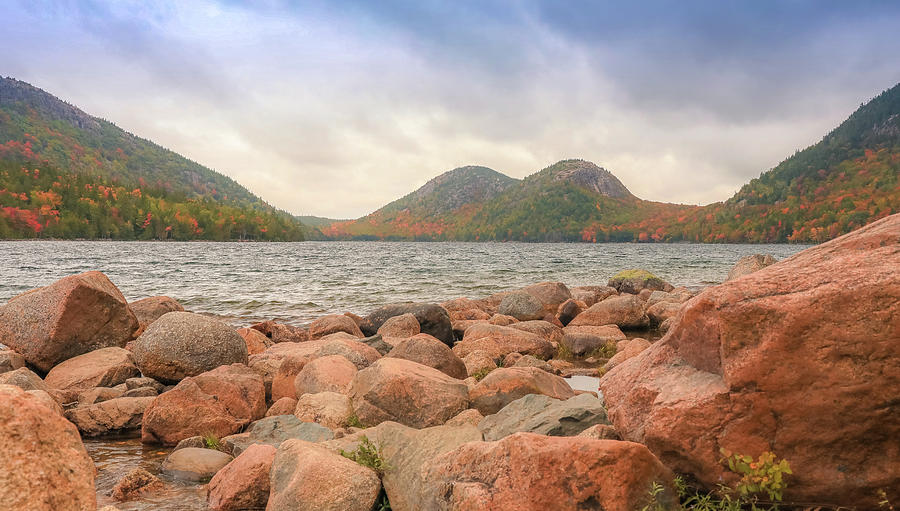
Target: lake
x: 297, y: 282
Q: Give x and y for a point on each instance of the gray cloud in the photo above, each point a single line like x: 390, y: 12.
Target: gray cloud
x: 338, y: 108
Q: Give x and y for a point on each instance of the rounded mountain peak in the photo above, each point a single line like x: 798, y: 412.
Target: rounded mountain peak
x: 589, y: 176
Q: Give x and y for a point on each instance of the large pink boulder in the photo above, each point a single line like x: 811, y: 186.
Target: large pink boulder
x: 106, y: 367
x: 44, y: 466
x: 148, y: 310
x: 531, y: 472
x: 74, y: 315
x: 394, y: 389
x: 625, y: 311
x: 244, y: 482
x: 331, y: 324
x: 499, y: 341
x: 427, y: 350
x: 801, y: 358
x: 218, y: 402
x: 332, y: 373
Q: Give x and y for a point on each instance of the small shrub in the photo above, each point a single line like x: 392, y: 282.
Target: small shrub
x: 354, y: 422
x: 367, y: 454
x: 563, y: 352
x: 481, y: 373
x: 765, y: 475
x: 606, y: 351
x: 211, y: 441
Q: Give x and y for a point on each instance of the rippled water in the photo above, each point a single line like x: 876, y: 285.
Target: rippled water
x: 296, y: 282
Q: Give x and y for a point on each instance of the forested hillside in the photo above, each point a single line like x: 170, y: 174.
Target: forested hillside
x: 66, y: 174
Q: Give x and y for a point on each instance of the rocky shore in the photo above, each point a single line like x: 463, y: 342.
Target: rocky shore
x: 465, y: 404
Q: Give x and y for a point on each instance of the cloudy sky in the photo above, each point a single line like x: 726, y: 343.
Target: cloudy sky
x: 334, y: 108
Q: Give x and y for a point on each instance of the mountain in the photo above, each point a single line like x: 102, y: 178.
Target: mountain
x: 843, y: 182
x: 64, y: 173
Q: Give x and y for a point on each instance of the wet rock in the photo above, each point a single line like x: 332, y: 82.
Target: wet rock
x: 255, y: 340
x: 106, y: 367
x: 278, y: 332
x: 528, y: 472
x: 430, y: 352
x: 150, y: 309
x: 218, y: 402
x: 536, y: 413
x: 799, y: 359
x: 284, y: 406
x: 74, y: 315
x: 23, y: 378
x: 10, y: 361
x: 625, y: 311
x: 193, y: 464
x: 331, y: 373
x: 44, y: 464
x: 135, y: 484
x: 182, y: 344
x: 402, y: 326
x: 394, y: 389
x: 309, y: 476
x: 275, y: 430
x: 749, y: 264
x: 111, y: 416
x: 330, y: 409
x: 582, y: 340
x: 505, y: 385
x: 433, y: 319
x: 498, y: 341
x: 634, y: 281
x: 522, y: 306
x: 244, y: 482
x: 331, y: 324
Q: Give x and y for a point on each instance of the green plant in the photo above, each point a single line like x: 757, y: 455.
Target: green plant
x: 354, y: 422
x: 653, y: 504
x: 765, y: 475
x: 367, y: 454
x: 383, y: 504
x: 605, y: 351
x: 211, y: 441
x: 563, y: 352
x: 481, y: 373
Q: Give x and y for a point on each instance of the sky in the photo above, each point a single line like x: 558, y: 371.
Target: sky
x: 335, y: 108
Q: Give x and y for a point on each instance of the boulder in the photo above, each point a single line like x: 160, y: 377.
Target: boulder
x: 111, y: 416
x: 529, y: 361
x: 800, y: 359
x: 44, y: 466
x: 625, y: 311
x: 182, y: 344
x: 522, y: 306
x: 278, y: 332
x: 244, y: 482
x: 148, y: 310
x: 285, y: 378
x: 106, y: 367
x: 23, y: 378
x: 505, y: 385
x: 662, y: 311
x: 361, y: 354
x: 469, y: 416
x: 592, y: 294
x: 74, y: 315
x: 537, y: 413
x: 218, y: 402
x: 330, y: 409
x: 47, y: 400
x: 275, y: 430
x: 498, y: 341
x: 430, y: 352
x: 10, y: 361
x: 332, y: 373
x: 550, y: 294
x: 568, y: 310
x: 635, y: 281
x: 135, y: 484
x: 143, y: 381
x: 479, y: 362
x: 530, y: 472
x: 402, y: 326
x: 284, y: 406
x: 98, y: 395
x: 433, y: 319
x: 194, y: 464
x: 306, y: 476
x: 541, y: 328
x: 625, y: 350
x: 255, y: 340
x: 582, y: 340
x: 502, y: 320
x: 141, y: 392
x: 601, y: 432
x: 749, y: 264
x: 394, y: 389
x: 331, y: 324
